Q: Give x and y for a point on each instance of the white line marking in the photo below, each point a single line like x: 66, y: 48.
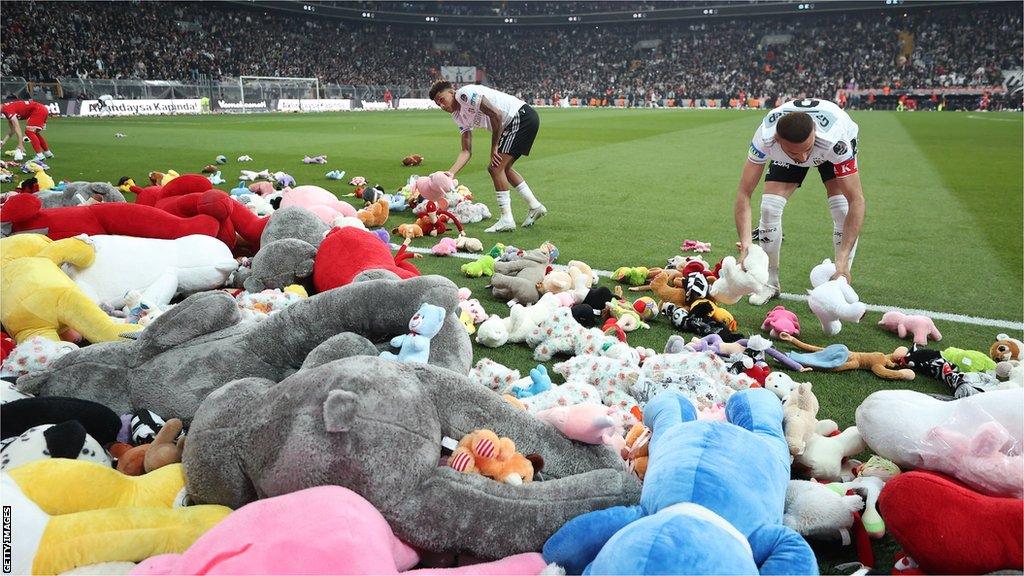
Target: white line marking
x: 959, y: 318
x: 996, y: 119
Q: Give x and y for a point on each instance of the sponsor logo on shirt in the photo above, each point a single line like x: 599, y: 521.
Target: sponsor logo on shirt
x: 847, y: 168
x: 757, y: 153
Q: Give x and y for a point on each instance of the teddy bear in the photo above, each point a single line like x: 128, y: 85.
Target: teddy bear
x: 412, y: 160
x: 819, y: 453
x: 1006, y: 349
x: 680, y: 526
x: 833, y: 301
x: 379, y: 428
x: 559, y: 333
x: 781, y: 384
x: 38, y: 297
x: 180, y: 358
x: 518, y: 280
x: 374, y: 214
x: 415, y: 346
x: 472, y: 306
x: 483, y: 452
x: 735, y: 282
x: 919, y: 327
x: 493, y: 332
x: 780, y: 320
x: 818, y: 512
x: 165, y: 449
x: 318, y: 201
x: 467, y: 244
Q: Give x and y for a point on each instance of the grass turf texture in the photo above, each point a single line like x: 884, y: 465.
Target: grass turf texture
x: 624, y: 187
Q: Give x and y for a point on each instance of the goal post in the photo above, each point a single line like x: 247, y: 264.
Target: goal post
x: 257, y: 88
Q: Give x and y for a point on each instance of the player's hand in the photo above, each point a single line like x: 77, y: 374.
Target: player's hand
x: 843, y: 272
x: 495, y: 158
x: 743, y: 248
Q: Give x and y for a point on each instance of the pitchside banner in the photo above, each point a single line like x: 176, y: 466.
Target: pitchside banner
x: 305, y: 105
x: 138, y: 107
x: 1013, y: 81
x: 225, y: 106
x: 459, y: 74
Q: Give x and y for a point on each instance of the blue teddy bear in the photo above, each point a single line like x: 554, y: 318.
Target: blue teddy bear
x: 712, y: 499
x: 541, y: 382
x: 415, y: 346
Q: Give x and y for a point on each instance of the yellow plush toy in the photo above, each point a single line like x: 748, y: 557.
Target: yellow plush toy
x: 42, y: 178
x: 70, y: 513
x: 38, y: 297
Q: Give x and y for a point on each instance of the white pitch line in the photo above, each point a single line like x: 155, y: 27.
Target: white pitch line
x: 996, y: 119
x: 946, y: 316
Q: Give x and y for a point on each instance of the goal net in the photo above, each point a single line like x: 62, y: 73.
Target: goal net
x: 266, y: 88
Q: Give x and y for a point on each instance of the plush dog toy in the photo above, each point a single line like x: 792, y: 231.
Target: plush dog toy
x: 839, y: 358
x: 833, y: 301
x: 680, y: 527
x: 947, y: 528
x: 38, y: 297
x: 919, y: 327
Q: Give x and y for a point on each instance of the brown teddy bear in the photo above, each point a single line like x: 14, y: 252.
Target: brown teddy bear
x: 800, y: 415
x: 146, y: 458
x: 412, y: 160
x: 1006, y: 349
x: 482, y: 452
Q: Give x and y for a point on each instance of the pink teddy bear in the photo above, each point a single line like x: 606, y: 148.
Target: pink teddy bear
x: 446, y: 247
x: 472, y: 306
x: 318, y: 201
x: 921, y: 327
x: 780, y: 320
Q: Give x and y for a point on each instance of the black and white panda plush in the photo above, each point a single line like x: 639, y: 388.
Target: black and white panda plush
x: 65, y: 440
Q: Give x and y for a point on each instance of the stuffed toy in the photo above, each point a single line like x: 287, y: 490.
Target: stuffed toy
x: 1006, y: 349
x: 34, y: 354
x: 375, y: 214
x: 255, y: 203
x: 284, y: 535
x: 704, y: 378
x: 20, y: 415
x: 666, y: 292
x: 518, y: 280
x: 833, y: 301
x: 412, y: 160
x: 559, y: 333
x: 969, y: 360
x: 698, y: 320
x: 164, y: 450
x: 735, y: 281
x: 635, y: 276
x: 67, y: 439
x: 818, y: 512
x: 636, y: 451
x: 263, y: 189
x: 495, y: 376
x: 252, y: 175
x: 179, y: 359
x: 932, y: 363
x: 283, y: 179
x: 522, y: 320
x: 209, y: 169
x: 467, y: 244
x: 919, y: 327
x: 780, y: 320
x: 483, y: 266
x: 58, y: 531
x: 216, y: 179
x: 472, y: 306
x: 471, y: 212
x: 755, y: 351
x: 321, y: 159
x: 695, y: 246
x: 538, y: 383
x: 347, y: 252
x: 79, y: 193
x: 947, y: 528
x: 335, y: 175
x: 415, y: 346
x: 318, y: 201
x: 838, y: 358
x: 493, y: 332
x: 221, y: 159
x: 40, y: 300
x: 244, y: 158
x: 39, y: 173
x: 682, y: 527
x: 24, y: 213
x: 482, y: 452
x: 446, y: 247
x: 781, y: 384
x: 160, y: 269
x: 1012, y: 373
x: 587, y: 423
x: 818, y: 449
x: 975, y: 439
x: 380, y: 432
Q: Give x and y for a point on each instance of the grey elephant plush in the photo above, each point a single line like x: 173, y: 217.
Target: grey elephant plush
x: 79, y: 193
x: 288, y: 246
x: 200, y: 345
x: 376, y: 426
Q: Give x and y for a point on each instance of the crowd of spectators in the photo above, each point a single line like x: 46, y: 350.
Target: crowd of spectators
x: 717, y: 58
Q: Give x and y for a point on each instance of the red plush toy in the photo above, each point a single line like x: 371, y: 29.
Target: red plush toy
x: 24, y: 213
x: 948, y: 528
x: 180, y: 186
x: 346, y: 252
x: 6, y: 346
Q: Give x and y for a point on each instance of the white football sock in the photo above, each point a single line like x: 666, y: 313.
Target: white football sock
x: 504, y: 204
x: 839, y: 207
x: 524, y: 190
x: 770, y: 232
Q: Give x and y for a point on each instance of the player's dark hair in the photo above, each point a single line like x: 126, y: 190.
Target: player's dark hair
x: 795, y: 127
x: 438, y: 87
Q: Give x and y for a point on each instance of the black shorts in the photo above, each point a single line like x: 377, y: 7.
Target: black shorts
x: 517, y: 138
x: 779, y: 172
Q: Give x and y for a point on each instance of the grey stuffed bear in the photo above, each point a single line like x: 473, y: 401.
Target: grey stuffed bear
x: 288, y: 247
x: 517, y: 280
x: 375, y: 426
x: 79, y: 193
x: 199, y: 345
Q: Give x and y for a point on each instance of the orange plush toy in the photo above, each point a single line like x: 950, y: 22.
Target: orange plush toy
x: 482, y: 452
x: 636, y: 450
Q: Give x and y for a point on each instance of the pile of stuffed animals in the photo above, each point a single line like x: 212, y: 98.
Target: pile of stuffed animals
x: 260, y: 381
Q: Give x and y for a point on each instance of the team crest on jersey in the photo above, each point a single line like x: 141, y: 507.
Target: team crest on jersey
x: 840, y: 148
x: 463, y: 97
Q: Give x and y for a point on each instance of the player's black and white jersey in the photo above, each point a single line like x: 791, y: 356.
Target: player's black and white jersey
x: 834, y: 135
x: 470, y: 116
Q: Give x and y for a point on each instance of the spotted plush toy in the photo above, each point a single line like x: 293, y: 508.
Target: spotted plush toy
x: 560, y: 333
x: 65, y: 440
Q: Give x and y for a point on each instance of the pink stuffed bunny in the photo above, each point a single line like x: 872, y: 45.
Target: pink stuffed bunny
x: 780, y: 320
x: 921, y: 327
x: 324, y: 530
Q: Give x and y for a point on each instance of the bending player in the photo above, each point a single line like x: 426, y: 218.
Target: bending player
x: 793, y: 138
x: 513, y: 125
x: 35, y: 115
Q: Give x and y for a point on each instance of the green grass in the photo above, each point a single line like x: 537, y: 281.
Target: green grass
x: 624, y: 187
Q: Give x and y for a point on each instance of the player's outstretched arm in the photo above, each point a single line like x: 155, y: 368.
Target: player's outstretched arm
x: 465, y: 154
x: 851, y: 189
x: 741, y: 210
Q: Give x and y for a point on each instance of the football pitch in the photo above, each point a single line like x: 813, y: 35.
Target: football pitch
x: 943, y: 230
